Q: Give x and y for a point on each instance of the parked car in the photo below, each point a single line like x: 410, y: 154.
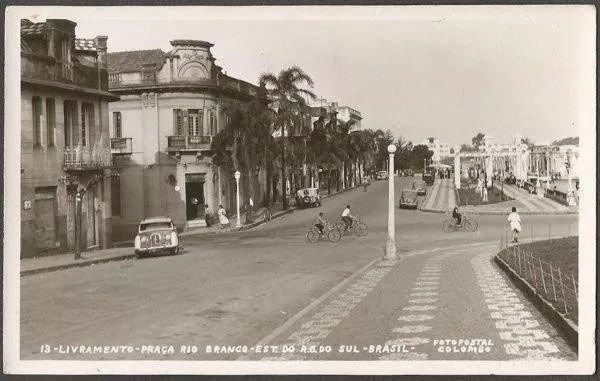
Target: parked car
x: 156, y: 235
x: 408, y: 199
x: 428, y: 178
x: 419, y: 186
x: 382, y: 175
x: 308, y: 197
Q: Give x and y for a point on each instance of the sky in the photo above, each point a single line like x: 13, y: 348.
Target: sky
x: 446, y: 72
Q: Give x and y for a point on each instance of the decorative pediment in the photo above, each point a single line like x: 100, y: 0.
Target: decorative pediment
x: 193, y: 70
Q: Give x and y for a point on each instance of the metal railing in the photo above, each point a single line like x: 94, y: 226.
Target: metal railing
x: 189, y: 142
x: 86, y: 158
x: 120, y: 146
x: 547, y: 279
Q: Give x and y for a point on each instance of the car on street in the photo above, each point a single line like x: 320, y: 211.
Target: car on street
x: 308, y: 197
x: 428, y: 178
x: 408, y: 199
x: 419, y: 186
x: 382, y: 175
x: 156, y: 235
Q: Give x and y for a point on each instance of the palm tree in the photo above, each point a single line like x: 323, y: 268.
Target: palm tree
x: 287, y: 89
x: 244, y: 142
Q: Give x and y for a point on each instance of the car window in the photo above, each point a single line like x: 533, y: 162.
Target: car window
x: 155, y: 225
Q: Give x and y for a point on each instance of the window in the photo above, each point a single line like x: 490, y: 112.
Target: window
x: 87, y: 112
x: 36, y: 107
x: 50, y: 120
x: 212, y: 123
x: 117, y: 124
x: 178, y: 122
x: 115, y: 197
x: 195, y: 125
x: 70, y: 123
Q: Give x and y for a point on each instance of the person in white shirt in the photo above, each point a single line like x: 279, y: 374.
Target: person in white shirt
x: 347, y: 217
x: 515, y: 224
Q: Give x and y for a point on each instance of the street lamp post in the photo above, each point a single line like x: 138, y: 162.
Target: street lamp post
x: 390, y: 248
x: 237, y: 197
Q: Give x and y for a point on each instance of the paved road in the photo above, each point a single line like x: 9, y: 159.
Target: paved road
x: 269, y: 285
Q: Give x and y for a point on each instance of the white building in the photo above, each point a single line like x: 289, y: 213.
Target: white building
x: 440, y: 150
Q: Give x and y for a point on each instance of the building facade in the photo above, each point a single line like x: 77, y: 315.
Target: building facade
x: 440, y: 150
x: 65, y: 156
x: 170, y: 108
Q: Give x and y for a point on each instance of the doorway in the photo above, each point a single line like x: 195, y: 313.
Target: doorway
x: 194, y: 196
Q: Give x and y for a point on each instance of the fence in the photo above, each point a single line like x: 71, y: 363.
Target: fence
x: 550, y: 283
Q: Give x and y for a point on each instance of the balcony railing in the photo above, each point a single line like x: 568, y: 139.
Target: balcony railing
x: 87, y: 158
x: 120, y: 146
x: 188, y: 143
x: 49, y: 69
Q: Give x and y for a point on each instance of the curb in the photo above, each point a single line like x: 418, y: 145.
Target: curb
x: 77, y: 264
x: 498, y: 213
x: 566, y: 326
x: 128, y: 255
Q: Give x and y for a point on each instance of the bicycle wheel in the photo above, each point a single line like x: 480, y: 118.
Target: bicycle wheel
x: 470, y: 225
x: 313, y: 236
x: 361, y: 229
x: 334, y: 235
x: 449, y: 226
x: 339, y: 226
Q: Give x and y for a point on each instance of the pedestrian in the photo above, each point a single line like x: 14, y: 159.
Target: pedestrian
x: 484, y: 193
x: 208, y: 217
x: 223, y: 220
x: 250, y: 210
x: 515, y: 224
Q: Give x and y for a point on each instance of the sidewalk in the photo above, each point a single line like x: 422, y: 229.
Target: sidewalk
x: 440, y: 198
x: 36, y: 265
x: 49, y: 263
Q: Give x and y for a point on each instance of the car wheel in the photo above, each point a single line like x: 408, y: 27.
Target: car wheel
x: 175, y: 251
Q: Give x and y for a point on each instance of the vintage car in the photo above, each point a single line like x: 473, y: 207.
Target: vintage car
x: 382, y: 175
x: 156, y: 235
x: 429, y: 178
x: 419, y: 186
x: 308, y: 197
x: 408, y: 199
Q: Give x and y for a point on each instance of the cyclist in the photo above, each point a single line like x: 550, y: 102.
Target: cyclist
x: 365, y: 183
x: 320, y: 223
x: 347, y: 217
x: 456, y: 215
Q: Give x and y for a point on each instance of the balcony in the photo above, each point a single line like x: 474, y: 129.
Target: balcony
x: 190, y: 143
x: 46, y: 68
x: 87, y: 158
x: 120, y: 146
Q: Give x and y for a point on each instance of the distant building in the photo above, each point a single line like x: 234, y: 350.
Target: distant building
x: 440, y: 150
x: 171, y: 106
x: 324, y: 108
x: 64, y: 138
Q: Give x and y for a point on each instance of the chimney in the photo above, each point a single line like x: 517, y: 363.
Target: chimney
x: 101, y: 46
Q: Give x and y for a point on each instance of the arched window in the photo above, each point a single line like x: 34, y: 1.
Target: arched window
x: 36, y: 108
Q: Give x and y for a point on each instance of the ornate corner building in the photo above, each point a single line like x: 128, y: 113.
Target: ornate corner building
x: 171, y: 107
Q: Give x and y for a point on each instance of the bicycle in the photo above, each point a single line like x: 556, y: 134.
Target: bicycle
x: 467, y: 224
x: 330, y: 232
x: 358, y: 227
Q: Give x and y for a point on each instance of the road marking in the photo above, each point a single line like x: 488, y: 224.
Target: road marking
x: 412, y: 329
x: 410, y: 341
x: 322, y: 323
x: 415, y: 317
x: 279, y: 330
x: 419, y: 308
x: 512, y: 319
x: 423, y: 300
x: 426, y: 293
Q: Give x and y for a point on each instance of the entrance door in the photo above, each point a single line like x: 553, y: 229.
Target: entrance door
x: 194, y: 196
x: 45, y: 232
